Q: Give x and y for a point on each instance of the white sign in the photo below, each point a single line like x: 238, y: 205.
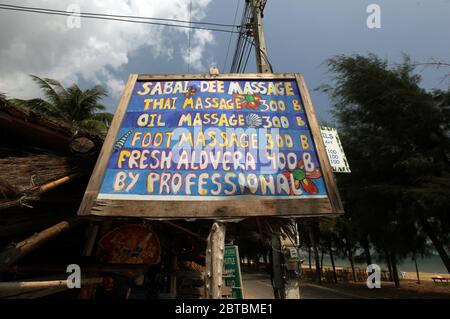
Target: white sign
x: 334, y: 149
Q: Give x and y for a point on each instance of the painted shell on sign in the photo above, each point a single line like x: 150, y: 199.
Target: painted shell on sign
x: 253, y: 120
x: 121, y: 141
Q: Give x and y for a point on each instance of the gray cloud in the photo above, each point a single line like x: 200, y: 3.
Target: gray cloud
x: 44, y: 45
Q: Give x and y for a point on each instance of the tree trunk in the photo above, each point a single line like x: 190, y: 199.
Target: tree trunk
x: 388, y: 262
x: 332, y: 262
x: 395, y: 271
x: 318, y: 276
x: 264, y: 255
x: 352, y: 262
x: 436, y: 242
x: 366, y: 246
x: 321, y: 261
x: 417, y: 268
x: 309, y: 257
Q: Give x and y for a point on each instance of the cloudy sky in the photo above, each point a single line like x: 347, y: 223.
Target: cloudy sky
x: 300, y: 34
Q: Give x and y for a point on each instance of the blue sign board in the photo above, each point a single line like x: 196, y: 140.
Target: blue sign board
x: 206, y: 139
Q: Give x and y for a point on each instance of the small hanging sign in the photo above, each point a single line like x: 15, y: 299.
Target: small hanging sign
x: 335, y: 151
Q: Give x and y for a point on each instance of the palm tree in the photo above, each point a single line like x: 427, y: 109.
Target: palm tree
x: 77, y: 106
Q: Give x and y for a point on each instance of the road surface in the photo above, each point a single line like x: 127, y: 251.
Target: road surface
x: 258, y: 286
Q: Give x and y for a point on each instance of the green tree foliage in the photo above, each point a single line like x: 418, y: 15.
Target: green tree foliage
x: 396, y: 138
x: 74, y: 105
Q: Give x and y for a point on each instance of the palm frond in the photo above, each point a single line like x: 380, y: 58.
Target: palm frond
x: 103, y: 116
x: 94, y: 125
x: 71, y: 104
x: 47, y: 86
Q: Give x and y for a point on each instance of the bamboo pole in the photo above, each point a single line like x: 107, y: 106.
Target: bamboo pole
x: 61, y: 269
x: 15, y: 252
x: 33, y: 293
x: 60, y: 181
x: 20, y: 285
x: 33, y: 193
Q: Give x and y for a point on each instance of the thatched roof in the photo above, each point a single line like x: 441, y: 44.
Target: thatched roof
x: 43, y: 131
x: 39, y: 153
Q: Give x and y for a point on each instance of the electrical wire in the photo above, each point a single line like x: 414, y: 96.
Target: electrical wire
x: 248, y: 55
x: 238, y: 46
x: 99, y: 17
x: 241, y: 43
x: 264, y: 55
x: 189, y: 37
x: 231, y: 35
x: 120, y: 16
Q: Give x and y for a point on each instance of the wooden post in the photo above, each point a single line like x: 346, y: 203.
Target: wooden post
x: 88, y: 291
x: 214, y: 261
x: 91, y: 238
x: 277, y: 277
x: 173, y: 277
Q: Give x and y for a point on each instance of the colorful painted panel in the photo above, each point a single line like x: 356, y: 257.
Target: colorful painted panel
x: 214, y: 139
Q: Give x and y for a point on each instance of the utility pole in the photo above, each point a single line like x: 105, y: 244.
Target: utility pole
x: 262, y: 62
x: 284, y: 287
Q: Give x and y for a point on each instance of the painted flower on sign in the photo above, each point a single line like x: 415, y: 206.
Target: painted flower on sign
x: 304, y: 178
x: 191, y: 91
x: 248, y: 101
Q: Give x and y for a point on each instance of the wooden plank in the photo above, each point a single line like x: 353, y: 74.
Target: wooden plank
x: 97, y: 176
x: 322, y: 155
x: 213, y: 209
x: 229, y: 76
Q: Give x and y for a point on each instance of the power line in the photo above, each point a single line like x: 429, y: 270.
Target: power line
x: 264, y: 56
x: 189, y: 37
x: 119, y: 16
x: 242, y: 51
x: 248, y: 56
x: 231, y: 35
x: 241, y: 43
x: 82, y: 15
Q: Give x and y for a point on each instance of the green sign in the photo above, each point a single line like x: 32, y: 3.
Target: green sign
x: 232, y: 271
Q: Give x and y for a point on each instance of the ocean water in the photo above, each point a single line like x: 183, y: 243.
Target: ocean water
x: 429, y: 264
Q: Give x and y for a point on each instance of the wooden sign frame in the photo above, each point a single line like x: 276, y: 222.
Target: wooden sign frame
x: 213, y: 209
